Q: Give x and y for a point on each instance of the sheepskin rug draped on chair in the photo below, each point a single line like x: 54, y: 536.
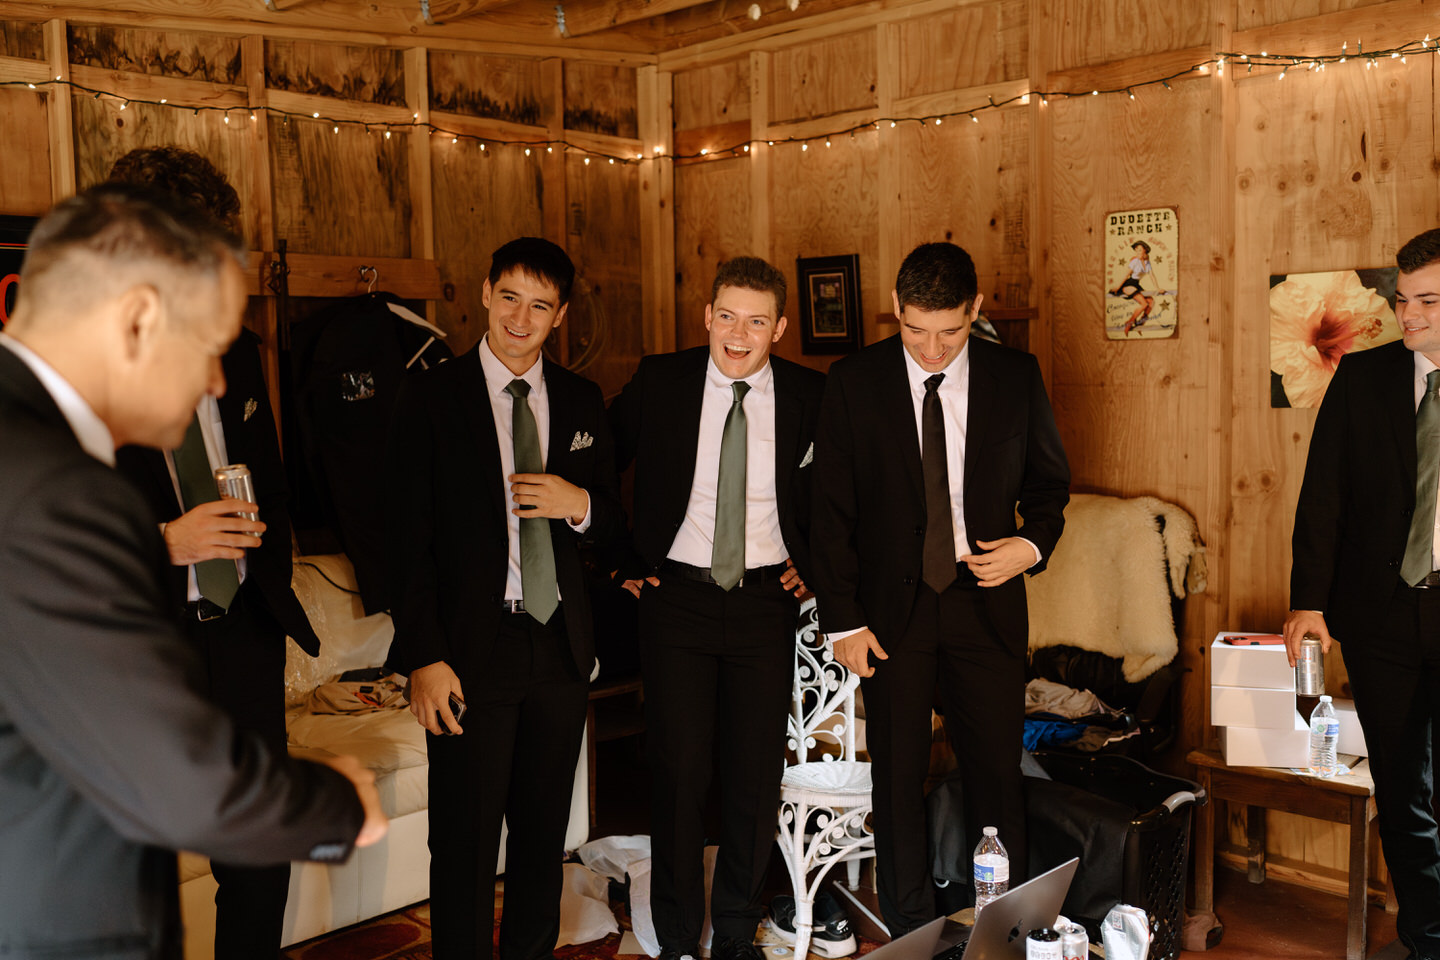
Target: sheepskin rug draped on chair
x: 1107, y: 587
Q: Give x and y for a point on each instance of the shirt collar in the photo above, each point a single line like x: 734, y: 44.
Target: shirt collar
x: 918, y: 374
x: 762, y: 381
x: 498, y: 376
x: 94, y: 437
x: 1423, y: 366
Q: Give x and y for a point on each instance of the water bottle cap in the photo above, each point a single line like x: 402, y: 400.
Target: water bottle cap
x: 990, y: 831
x: 1325, y: 698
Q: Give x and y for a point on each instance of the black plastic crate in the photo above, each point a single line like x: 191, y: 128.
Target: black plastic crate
x: 1130, y: 826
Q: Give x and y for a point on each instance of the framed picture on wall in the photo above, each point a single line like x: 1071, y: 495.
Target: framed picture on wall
x: 14, y: 233
x: 829, y: 303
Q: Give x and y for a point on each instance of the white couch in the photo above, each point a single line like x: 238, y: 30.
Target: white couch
x: 395, y: 872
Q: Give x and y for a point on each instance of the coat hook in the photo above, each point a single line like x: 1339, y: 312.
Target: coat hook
x: 370, y: 276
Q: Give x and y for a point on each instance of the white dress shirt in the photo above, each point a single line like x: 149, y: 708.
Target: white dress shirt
x: 764, y: 545
x: 502, y: 406
x: 94, y: 437
x: 1423, y: 366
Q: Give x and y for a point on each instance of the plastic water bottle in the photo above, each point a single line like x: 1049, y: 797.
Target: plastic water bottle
x: 992, y: 869
x: 1324, y: 733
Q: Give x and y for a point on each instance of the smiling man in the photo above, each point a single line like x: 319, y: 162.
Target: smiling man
x: 501, y: 468
x: 1366, y: 572
x: 928, y: 443
x: 721, y: 437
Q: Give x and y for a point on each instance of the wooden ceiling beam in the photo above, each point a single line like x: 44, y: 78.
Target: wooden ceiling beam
x: 585, y: 18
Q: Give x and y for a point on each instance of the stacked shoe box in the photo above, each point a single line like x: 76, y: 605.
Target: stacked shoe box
x: 1252, y: 701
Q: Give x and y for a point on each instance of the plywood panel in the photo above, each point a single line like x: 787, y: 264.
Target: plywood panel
x: 713, y: 95
x: 824, y: 203
x: 191, y: 56
x: 25, y: 187
x: 604, y: 241
x: 967, y: 183
x: 823, y: 77
x: 1262, y: 13
x: 483, y: 198
x: 368, y: 74
x: 1089, y: 33
x: 340, y: 193
x: 966, y: 47
x: 501, y: 88
x: 22, y: 38
x: 712, y: 225
x: 105, y: 133
x: 601, y: 98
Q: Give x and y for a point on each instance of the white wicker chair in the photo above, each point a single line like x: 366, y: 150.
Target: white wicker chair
x: 824, y: 802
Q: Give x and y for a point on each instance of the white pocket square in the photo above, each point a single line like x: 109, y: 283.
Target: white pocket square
x: 581, y: 441
x: 809, y: 456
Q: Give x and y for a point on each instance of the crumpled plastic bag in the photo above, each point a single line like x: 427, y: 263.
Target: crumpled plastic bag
x: 585, y: 913
x: 619, y: 857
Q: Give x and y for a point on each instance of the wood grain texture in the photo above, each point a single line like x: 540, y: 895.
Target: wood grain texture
x: 965, y: 47
x: 713, y: 95
x: 500, y: 88
x: 712, y: 225
x: 825, y: 77
x: 600, y: 98
x: 22, y: 38
x: 1119, y: 29
x: 1263, y: 13
x: 340, y: 193
x: 25, y: 189
x: 367, y: 74
x: 603, y: 238
x: 189, y: 56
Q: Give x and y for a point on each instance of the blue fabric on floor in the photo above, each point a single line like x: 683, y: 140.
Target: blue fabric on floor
x: 1050, y: 733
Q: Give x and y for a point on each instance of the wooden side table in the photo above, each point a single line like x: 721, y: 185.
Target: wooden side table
x: 1349, y: 799
x: 613, y: 724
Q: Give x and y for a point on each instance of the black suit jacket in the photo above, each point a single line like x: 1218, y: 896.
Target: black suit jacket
x: 869, y: 526
x: 657, y: 426
x: 249, y: 439
x: 1353, y: 516
x: 107, y: 751
x: 448, y: 507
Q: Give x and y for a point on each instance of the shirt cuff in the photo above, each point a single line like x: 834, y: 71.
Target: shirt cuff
x: 842, y: 634
x: 1038, y: 558
x: 584, y: 523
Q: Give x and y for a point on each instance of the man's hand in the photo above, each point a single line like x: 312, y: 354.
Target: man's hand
x: 209, y: 532
x: 549, y: 495
x: 430, y: 689
x: 1001, y: 560
x: 791, y: 581
x: 853, y: 651
x: 1300, y: 622
x: 634, y: 585
x: 362, y: 777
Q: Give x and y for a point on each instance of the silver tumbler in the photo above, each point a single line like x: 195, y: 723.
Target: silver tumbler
x: 1310, y: 667
x: 234, y: 481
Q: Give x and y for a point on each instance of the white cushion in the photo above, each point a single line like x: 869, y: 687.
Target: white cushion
x: 844, y: 778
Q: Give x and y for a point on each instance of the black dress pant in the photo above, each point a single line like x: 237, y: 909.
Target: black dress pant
x: 718, y: 669
x: 1395, y: 675
x: 524, y: 720
x: 951, y: 642
x: 244, y: 657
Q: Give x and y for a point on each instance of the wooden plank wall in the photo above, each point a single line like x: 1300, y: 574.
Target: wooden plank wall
x: 346, y: 191
x: 1315, y: 172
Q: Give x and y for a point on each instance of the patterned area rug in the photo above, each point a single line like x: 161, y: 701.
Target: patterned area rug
x: 405, y: 935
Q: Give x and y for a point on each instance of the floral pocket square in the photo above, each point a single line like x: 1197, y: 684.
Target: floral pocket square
x: 581, y: 441
x: 250, y: 407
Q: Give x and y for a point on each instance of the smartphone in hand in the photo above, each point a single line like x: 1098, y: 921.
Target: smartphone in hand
x: 457, y: 709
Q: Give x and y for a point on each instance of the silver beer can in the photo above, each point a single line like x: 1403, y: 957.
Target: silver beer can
x: 1043, y: 943
x: 1310, y: 667
x: 233, y: 481
x: 1074, y: 943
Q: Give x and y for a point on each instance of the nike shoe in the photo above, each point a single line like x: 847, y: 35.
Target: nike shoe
x: 831, y: 936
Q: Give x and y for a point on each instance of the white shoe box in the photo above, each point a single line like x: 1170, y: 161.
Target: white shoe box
x: 1253, y: 665
x: 1352, y: 738
x: 1252, y: 707
x: 1260, y: 747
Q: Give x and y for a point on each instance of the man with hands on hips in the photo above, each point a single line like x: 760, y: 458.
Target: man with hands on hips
x: 500, y: 468
x: 928, y: 442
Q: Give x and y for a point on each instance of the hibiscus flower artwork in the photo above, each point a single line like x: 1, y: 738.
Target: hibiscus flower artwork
x: 1317, y: 318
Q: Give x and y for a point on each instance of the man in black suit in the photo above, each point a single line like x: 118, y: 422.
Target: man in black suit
x: 719, y: 548
x: 240, y: 625
x: 928, y: 442
x: 108, y: 749
x: 1364, y: 572
x: 501, y: 468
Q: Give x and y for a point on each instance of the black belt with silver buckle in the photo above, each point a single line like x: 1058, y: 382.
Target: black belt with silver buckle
x: 1430, y: 580
x: 517, y: 606
x: 755, y: 576
x: 204, y: 610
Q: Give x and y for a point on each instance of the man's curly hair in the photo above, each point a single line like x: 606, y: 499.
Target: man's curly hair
x: 184, y: 173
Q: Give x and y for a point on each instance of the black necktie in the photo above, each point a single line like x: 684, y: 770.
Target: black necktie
x: 939, y: 570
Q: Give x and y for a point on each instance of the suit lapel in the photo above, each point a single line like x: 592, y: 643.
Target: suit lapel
x: 479, y: 417
x: 788, y: 411
x: 1397, y: 396
x: 977, y: 416
x: 557, y: 390
x: 898, y: 409
x: 689, y: 397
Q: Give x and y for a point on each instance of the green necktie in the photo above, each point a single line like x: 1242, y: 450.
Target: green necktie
x: 217, y: 579
x: 727, y: 563
x: 537, y: 553
x: 1419, y: 548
